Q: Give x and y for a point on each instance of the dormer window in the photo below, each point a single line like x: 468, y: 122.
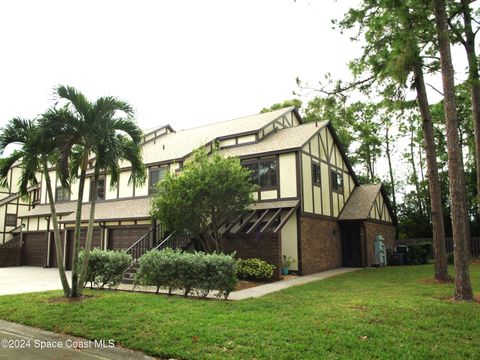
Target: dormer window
x: 156, y: 175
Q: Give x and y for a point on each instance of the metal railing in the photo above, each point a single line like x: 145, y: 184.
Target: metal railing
x: 145, y: 243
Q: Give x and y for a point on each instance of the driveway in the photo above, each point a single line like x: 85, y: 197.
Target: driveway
x: 25, y: 279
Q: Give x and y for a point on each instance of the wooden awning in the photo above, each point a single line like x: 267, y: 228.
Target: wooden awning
x: 262, y: 210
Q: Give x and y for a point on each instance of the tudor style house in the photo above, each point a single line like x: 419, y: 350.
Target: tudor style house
x: 310, y: 205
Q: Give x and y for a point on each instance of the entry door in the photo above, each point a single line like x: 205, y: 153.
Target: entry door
x: 351, y: 245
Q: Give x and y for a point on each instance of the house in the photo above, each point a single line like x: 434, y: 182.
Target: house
x: 310, y: 205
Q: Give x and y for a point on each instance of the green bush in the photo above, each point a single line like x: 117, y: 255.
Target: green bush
x: 106, y: 267
x: 197, y: 272
x: 450, y: 258
x: 419, y: 253
x: 254, y: 269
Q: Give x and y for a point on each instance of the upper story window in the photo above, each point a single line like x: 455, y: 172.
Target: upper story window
x: 264, y: 172
x: 11, y: 220
x: 155, y: 176
x: 337, y: 181
x: 316, y: 178
x: 62, y: 194
x: 100, y: 189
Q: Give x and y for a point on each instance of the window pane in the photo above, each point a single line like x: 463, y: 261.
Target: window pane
x: 11, y: 220
x: 254, y: 172
x: 316, y: 173
x: 156, y: 175
x: 267, y: 171
x: 334, y: 180
x: 101, y: 189
x: 61, y: 194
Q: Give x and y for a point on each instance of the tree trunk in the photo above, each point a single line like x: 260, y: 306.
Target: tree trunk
x: 78, y: 221
x: 390, y: 171
x: 438, y: 226
x: 414, y: 168
x: 56, y: 230
x: 427, y: 202
x: 456, y: 175
x: 88, y: 241
x: 474, y: 80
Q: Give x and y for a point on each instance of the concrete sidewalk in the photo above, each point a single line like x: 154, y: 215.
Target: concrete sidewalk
x: 24, y: 342
x: 262, y: 290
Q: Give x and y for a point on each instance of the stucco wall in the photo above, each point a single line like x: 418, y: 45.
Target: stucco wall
x: 321, y: 249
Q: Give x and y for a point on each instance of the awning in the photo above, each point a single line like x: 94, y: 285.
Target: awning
x: 265, y: 215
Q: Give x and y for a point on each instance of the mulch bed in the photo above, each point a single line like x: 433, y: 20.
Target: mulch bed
x: 431, y: 281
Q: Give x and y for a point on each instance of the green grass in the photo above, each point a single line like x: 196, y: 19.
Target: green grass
x: 368, y: 314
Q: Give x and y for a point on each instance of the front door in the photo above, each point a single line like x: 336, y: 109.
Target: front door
x: 351, y: 244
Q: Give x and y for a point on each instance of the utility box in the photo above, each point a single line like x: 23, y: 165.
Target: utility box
x: 380, y: 252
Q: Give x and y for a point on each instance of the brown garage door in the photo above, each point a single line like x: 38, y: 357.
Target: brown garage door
x: 53, y: 249
x: 96, y: 243
x: 34, y: 248
x: 123, y: 238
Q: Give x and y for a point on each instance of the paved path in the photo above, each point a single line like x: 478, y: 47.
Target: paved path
x: 24, y: 279
x: 262, y: 290
x: 67, y: 347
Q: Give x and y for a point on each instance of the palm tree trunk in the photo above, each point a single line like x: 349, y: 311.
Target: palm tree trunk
x: 78, y: 221
x: 474, y: 80
x: 56, y: 230
x: 438, y: 226
x: 88, y: 241
x: 456, y: 175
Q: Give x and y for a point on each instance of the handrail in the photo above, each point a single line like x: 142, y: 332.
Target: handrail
x: 164, y: 241
x: 139, y: 240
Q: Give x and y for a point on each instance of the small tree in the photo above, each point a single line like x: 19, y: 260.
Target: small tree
x: 211, y: 191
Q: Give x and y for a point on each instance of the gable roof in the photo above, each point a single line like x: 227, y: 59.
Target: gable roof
x: 360, y: 202
x: 283, y: 139
x: 178, y: 145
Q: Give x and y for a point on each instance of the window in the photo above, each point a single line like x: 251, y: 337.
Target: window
x: 11, y: 220
x: 100, y: 189
x: 156, y: 175
x: 264, y: 173
x: 337, y: 181
x: 62, y: 194
x: 315, y: 174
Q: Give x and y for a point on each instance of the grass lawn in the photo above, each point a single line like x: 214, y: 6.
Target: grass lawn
x: 371, y: 313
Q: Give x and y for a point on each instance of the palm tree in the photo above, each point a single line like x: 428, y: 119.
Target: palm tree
x: 37, y: 148
x: 103, y: 131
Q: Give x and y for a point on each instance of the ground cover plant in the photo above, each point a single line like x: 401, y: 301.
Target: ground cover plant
x: 389, y: 313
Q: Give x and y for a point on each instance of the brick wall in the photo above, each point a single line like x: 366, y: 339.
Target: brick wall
x: 266, y: 246
x: 321, y: 249
x: 10, y: 256
x: 372, y: 229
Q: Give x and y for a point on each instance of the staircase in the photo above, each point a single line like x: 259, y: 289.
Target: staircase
x: 148, y: 242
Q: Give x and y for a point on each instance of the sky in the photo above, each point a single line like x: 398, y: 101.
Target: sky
x: 183, y: 63
x: 186, y: 63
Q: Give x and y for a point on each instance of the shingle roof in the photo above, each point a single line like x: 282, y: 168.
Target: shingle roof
x: 62, y: 208
x: 360, y: 202
x: 181, y: 143
x: 288, y: 138
x: 281, y: 204
x: 131, y: 209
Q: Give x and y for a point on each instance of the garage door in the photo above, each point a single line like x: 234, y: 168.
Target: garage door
x: 96, y: 243
x: 53, y: 249
x: 123, y: 238
x: 34, y: 249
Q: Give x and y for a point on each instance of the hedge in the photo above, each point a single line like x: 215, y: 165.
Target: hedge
x: 198, y: 272
x: 419, y: 253
x: 106, y: 267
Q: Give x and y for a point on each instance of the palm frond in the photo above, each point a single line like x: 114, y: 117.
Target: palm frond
x: 81, y: 105
x: 6, y: 164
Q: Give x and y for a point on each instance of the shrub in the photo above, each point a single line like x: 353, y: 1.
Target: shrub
x: 254, y: 269
x: 106, y: 267
x: 419, y: 253
x: 191, y: 272
x: 158, y: 268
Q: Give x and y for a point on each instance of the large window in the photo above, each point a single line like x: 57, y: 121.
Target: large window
x: 62, y: 194
x: 100, y: 189
x: 337, y: 181
x: 264, y: 172
x: 156, y: 175
x: 316, y: 174
x: 11, y: 220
